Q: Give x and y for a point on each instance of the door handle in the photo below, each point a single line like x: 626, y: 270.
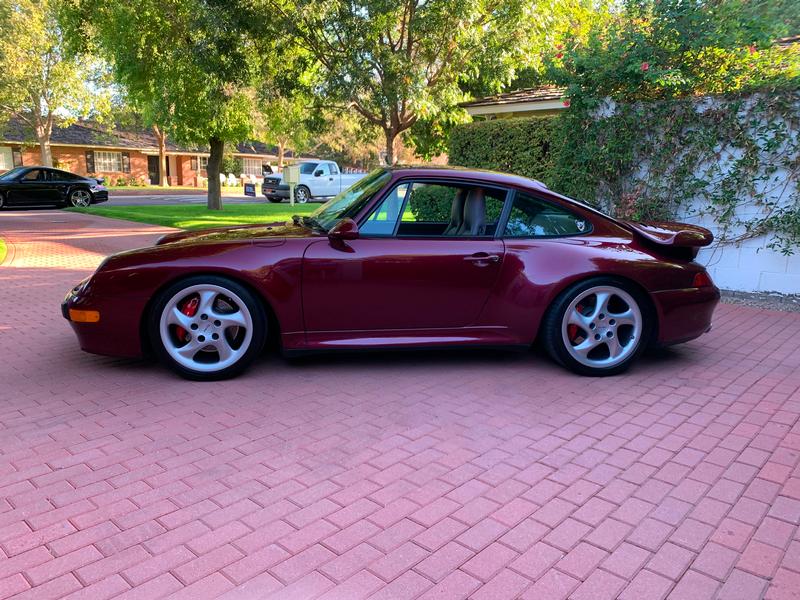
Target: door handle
x: 482, y: 257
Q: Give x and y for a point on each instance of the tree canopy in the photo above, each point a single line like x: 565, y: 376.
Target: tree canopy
x: 396, y: 62
x: 184, y: 64
x: 40, y: 82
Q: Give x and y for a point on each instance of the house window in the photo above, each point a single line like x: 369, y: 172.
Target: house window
x: 6, y: 159
x: 202, y: 162
x: 106, y: 162
x: 251, y: 166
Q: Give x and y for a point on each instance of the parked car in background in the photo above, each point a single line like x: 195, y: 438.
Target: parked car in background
x: 406, y: 258
x: 44, y: 186
x: 318, y: 179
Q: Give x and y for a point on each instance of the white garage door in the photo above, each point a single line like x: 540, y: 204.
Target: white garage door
x: 6, y: 160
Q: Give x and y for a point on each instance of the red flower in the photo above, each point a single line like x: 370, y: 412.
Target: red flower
x: 560, y: 55
x: 566, y: 102
x: 559, y: 46
x: 645, y: 66
x: 752, y: 49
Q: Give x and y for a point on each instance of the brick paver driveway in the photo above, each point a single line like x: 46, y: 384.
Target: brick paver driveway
x: 394, y: 476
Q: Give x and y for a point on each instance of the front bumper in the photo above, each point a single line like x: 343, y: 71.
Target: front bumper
x: 275, y: 191
x: 114, y: 334
x: 684, y: 314
x: 99, y: 196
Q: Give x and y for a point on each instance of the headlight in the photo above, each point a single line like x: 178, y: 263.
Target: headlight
x: 81, y: 287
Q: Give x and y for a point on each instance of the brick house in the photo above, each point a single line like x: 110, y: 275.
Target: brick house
x: 86, y: 148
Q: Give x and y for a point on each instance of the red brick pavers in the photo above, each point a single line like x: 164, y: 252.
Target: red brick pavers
x: 431, y: 475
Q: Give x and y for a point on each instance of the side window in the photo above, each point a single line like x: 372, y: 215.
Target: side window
x: 324, y: 168
x: 384, y: 218
x: 34, y: 175
x: 531, y: 217
x: 334, y: 168
x: 437, y: 210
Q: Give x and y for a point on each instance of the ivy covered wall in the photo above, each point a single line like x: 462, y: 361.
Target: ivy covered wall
x: 729, y: 163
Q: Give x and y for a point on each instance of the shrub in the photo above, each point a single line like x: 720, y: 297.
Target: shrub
x: 520, y: 146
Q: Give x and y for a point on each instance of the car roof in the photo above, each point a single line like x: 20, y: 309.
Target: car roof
x: 463, y: 172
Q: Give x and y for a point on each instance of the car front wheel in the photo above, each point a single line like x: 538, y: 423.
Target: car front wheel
x: 302, y: 194
x: 80, y: 198
x: 207, y: 327
x: 597, y: 327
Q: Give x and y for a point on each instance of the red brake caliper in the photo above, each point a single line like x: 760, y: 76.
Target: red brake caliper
x: 189, y: 308
x: 572, y: 330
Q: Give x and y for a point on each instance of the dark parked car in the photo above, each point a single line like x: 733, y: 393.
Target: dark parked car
x: 405, y: 258
x: 43, y: 186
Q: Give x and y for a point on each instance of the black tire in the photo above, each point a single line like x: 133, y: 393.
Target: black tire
x: 254, y: 306
x: 275, y: 199
x: 304, y: 193
x: 551, y: 326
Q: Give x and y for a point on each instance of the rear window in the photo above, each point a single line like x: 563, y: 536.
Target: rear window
x: 532, y: 217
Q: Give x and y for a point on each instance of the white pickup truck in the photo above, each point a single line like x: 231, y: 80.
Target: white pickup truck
x: 318, y: 179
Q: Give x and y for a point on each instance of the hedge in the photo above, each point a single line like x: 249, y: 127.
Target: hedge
x: 520, y: 146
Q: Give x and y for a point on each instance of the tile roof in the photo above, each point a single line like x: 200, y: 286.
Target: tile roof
x: 94, y: 135
x: 542, y: 93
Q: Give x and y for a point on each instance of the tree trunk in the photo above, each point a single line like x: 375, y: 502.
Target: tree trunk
x: 44, y: 129
x: 44, y: 151
x: 162, y: 155
x: 391, y: 136
x: 281, y: 152
x: 214, y: 164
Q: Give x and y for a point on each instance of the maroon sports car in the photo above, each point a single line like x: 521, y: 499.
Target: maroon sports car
x: 406, y: 257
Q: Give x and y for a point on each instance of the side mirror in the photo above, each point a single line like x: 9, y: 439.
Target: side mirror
x: 318, y: 173
x: 344, y: 230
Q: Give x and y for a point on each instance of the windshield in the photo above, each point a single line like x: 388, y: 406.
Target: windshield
x: 351, y: 201
x: 11, y: 174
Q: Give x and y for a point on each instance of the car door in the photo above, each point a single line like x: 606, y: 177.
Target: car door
x: 323, y: 181
x: 33, y: 188
x: 403, y: 272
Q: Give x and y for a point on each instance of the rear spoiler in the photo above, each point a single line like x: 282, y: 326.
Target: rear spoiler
x: 674, y: 238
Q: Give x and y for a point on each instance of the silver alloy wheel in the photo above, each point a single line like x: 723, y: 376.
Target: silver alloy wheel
x: 602, y: 327
x: 80, y: 198
x: 301, y: 195
x: 217, y: 338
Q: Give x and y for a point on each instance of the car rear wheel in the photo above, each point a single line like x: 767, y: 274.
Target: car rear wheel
x: 597, y: 327
x: 80, y: 198
x: 207, y: 327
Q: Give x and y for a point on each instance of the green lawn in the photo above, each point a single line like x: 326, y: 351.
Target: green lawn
x: 2, y: 250
x: 197, y: 216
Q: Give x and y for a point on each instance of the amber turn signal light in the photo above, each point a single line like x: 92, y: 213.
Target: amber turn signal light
x: 84, y: 316
x: 702, y: 279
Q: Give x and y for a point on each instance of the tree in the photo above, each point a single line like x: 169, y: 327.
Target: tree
x: 284, y: 122
x: 393, y: 61
x: 39, y: 83
x: 183, y: 63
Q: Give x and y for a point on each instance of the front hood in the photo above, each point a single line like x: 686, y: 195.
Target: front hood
x: 237, y: 233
